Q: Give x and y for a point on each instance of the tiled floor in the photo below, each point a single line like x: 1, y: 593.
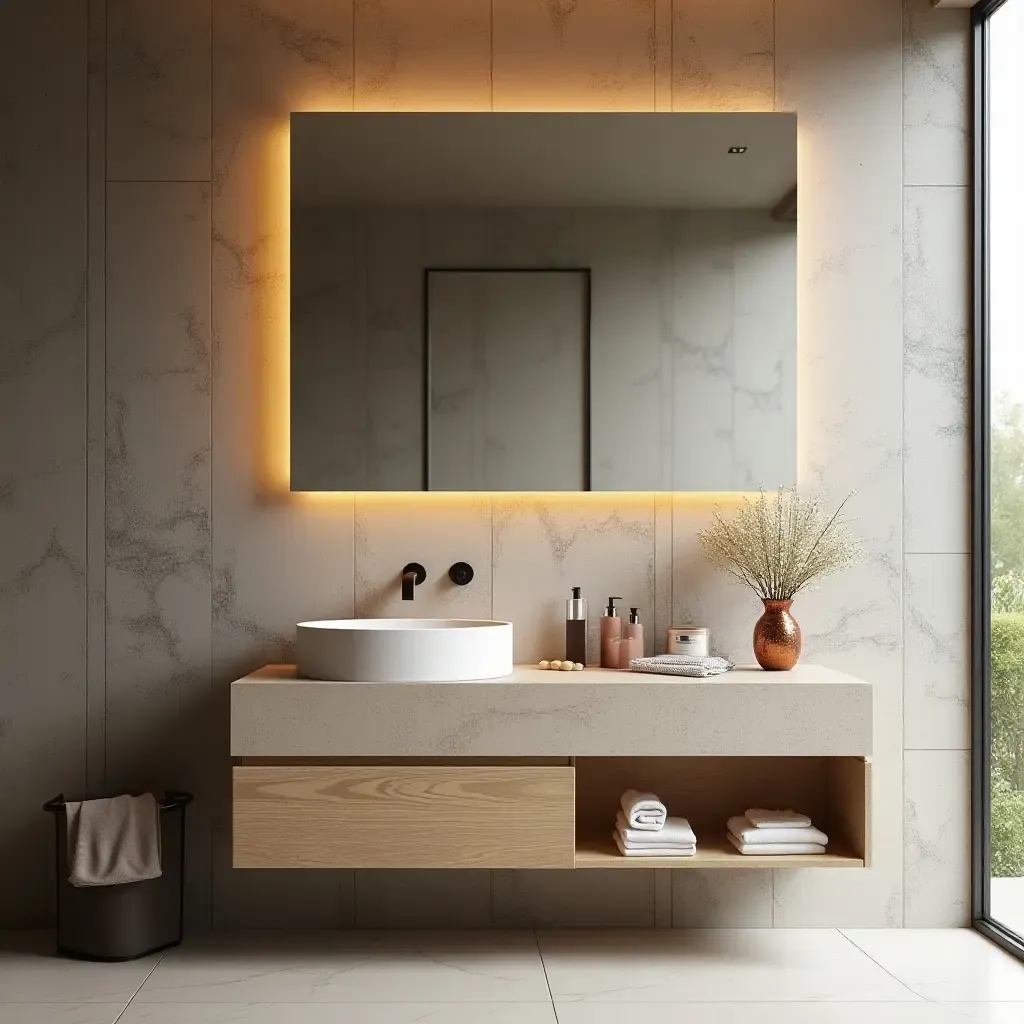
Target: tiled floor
x: 698, y: 977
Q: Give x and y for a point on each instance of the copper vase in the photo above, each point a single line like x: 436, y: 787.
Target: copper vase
x: 776, y: 637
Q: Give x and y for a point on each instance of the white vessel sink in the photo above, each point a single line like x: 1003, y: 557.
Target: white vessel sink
x: 404, y: 650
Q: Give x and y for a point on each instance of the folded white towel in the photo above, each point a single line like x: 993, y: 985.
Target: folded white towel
x: 741, y: 828
x: 643, y: 810
x: 675, y: 830
x: 652, y: 851
x: 761, y: 818
x: 774, y: 849
x: 681, y: 665
x: 654, y: 844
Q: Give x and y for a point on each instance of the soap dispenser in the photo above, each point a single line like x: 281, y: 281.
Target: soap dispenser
x: 611, y: 632
x: 576, y: 628
x: 632, y: 643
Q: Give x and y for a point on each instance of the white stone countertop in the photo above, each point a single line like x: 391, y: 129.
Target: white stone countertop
x: 809, y: 711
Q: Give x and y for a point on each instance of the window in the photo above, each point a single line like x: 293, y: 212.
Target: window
x: 999, y: 473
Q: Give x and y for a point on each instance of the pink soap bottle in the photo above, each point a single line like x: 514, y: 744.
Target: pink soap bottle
x: 611, y: 631
x: 632, y: 643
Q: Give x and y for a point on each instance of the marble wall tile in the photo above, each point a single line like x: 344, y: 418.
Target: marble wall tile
x: 840, y: 67
x: 572, y: 899
x: 722, y: 899
x: 936, y: 325
x: 42, y: 443
x: 545, y: 545
x: 937, y: 669
x: 573, y: 54
x: 723, y: 55
x: 436, y: 530
x: 158, y: 90
x: 422, y: 899
x: 936, y: 94
x: 277, y: 559
x: 158, y: 583
x: 937, y: 838
x: 415, y: 56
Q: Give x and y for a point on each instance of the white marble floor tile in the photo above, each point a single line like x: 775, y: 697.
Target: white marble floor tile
x: 945, y: 965
x: 339, y: 1013
x: 728, y: 965
x: 59, y: 1013
x: 352, y: 967
x: 30, y: 972
x: 794, y: 1013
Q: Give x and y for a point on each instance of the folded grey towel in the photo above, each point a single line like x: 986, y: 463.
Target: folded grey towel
x: 113, y: 841
x: 681, y: 665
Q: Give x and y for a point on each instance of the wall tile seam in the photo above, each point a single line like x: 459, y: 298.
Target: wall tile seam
x: 95, y: 380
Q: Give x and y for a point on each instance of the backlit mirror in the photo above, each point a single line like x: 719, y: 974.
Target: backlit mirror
x: 543, y: 302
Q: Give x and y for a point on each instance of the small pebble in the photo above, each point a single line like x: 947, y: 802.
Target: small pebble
x: 556, y: 665
x: 566, y: 666
x: 543, y: 664
x: 578, y: 666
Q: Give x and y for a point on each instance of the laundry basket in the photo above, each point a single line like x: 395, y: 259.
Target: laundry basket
x: 123, y: 922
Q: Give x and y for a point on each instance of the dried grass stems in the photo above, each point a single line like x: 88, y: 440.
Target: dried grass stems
x: 779, y: 545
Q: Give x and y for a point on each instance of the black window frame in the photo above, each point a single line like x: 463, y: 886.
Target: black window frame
x: 981, y: 572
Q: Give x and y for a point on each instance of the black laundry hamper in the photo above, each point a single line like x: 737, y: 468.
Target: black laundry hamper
x: 123, y: 922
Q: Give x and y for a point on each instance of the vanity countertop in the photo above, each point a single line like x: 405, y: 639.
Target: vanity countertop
x: 809, y: 711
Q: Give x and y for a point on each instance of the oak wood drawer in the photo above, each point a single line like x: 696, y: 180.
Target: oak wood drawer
x: 414, y: 816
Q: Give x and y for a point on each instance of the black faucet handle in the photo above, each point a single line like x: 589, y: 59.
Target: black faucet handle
x: 461, y: 573
x: 412, y: 576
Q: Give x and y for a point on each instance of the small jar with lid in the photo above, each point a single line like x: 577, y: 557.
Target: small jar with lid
x: 692, y: 640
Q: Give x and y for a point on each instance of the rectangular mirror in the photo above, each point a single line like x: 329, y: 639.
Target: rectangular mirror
x: 543, y: 302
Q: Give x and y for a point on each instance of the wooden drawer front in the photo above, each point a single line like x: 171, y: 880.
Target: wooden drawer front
x: 403, y: 817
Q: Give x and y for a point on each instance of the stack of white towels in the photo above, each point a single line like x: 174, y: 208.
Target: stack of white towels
x: 762, y: 833
x: 644, y: 829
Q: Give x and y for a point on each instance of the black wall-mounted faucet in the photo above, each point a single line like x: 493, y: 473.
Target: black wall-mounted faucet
x: 412, y: 576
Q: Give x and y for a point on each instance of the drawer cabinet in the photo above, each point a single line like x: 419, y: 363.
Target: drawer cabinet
x: 422, y: 816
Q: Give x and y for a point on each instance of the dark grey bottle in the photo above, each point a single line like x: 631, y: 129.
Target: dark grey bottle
x: 576, y: 628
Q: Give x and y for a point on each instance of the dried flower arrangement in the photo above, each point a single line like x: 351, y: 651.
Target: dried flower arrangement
x: 779, y: 545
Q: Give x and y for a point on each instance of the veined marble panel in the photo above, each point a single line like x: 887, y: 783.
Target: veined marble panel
x: 936, y: 366
x: 723, y: 55
x: 158, y: 90
x: 937, y: 833
x: 936, y: 94
x: 544, y: 546
x: 573, y: 55
x: 158, y: 585
x: 839, y: 65
x: 937, y: 669
x: 277, y: 559
x: 435, y: 530
x: 411, y: 55
x: 42, y: 443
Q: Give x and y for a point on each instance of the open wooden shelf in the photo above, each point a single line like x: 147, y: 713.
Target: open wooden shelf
x: 595, y: 852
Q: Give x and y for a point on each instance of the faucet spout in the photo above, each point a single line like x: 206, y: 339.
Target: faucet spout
x: 412, y: 576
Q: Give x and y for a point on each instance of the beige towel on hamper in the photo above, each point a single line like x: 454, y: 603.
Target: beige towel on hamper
x: 113, y: 841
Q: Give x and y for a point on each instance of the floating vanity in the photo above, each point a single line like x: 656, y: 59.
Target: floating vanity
x: 526, y: 771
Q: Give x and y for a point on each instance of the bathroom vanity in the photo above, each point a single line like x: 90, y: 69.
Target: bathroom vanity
x: 526, y: 771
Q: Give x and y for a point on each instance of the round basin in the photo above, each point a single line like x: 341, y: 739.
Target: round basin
x: 404, y: 650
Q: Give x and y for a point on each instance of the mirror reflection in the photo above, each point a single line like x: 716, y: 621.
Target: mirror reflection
x: 549, y: 302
